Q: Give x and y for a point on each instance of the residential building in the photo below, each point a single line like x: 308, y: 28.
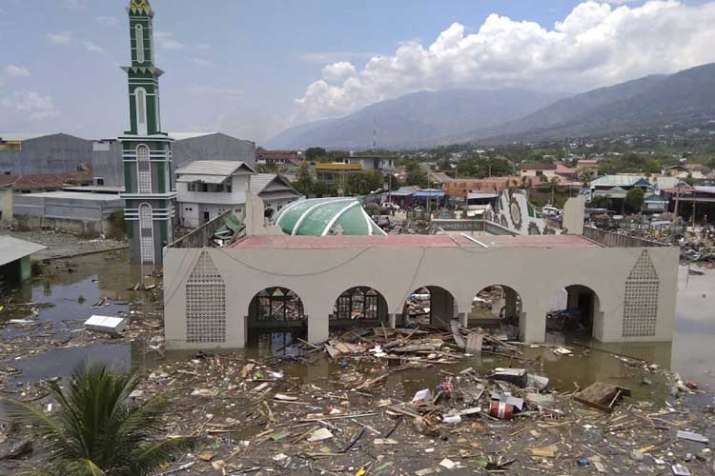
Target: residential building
x: 335, y: 173
x: 208, y: 188
x: 617, y: 186
x: 371, y: 162
x: 277, y: 158
x: 587, y: 165
x: 538, y: 169
x: 693, y: 171
x: 458, y: 188
x: 275, y: 190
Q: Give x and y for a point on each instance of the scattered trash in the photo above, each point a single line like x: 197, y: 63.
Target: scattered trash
x: 501, y: 410
x: 601, y: 395
x: 422, y: 395
x: 111, y: 325
x: 544, y: 452
x: 680, y: 470
x: 320, y: 435
x: 692, y: 436
x: 452, y: 419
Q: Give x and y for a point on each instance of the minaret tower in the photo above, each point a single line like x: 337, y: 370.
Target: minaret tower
x: 149, y: 194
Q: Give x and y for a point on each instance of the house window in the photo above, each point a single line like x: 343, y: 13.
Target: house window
x: 140, y: 96
x: 146, y: 234
x: 143, y: 169
x: 139, y: 30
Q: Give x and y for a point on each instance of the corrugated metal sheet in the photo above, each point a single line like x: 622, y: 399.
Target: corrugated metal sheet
x: 187, y: 178
x: 617, y: 181
x: 12, y: 249
x: 213, y: 167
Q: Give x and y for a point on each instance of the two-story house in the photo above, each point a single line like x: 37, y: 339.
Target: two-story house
x: 208, y: 188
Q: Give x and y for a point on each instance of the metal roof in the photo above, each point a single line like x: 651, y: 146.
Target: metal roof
x: 259, y: 182
x: 66, y: 195
x: 214, y: 167
x: 619, y: 181
x: 12, y: 249
x: 321, y: 216
x: 705, y: 188
x: 190, y: 178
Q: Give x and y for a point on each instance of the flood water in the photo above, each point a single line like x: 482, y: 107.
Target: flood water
x: 68, y: 295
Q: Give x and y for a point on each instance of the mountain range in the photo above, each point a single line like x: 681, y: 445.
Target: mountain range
x: 683, y: 99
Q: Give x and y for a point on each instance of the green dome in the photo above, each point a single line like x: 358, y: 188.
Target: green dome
x: 323, y: 216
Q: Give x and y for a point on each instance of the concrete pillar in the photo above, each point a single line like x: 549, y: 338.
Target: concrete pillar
x: 392, y: 320
x: 463, y: 319
x: 318, y: 328
x: 574, y: 213
x: 532, y: 324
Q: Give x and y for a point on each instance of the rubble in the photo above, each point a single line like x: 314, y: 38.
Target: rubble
x: 348, y: 406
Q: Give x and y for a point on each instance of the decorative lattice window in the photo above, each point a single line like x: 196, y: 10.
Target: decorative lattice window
x: 143, y: 169
x: 146, y: 234
x: 640, y: 306
x: 205, y: 303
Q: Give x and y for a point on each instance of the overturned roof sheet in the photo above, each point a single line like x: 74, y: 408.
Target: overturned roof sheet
x: 12, y: 249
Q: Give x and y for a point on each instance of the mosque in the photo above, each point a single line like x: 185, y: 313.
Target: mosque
x: 323, y: 264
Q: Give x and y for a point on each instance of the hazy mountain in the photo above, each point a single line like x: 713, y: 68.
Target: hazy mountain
x: 684, y: 99
x: 419, y: 119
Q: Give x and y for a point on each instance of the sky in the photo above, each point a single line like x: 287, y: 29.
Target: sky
x: 251, y: 68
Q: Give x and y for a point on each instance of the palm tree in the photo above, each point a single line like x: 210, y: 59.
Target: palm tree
x: 96, y: 432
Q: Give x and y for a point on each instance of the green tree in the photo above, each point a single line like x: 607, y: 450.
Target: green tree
x: 415, y: 174
x: 634, y: 199
x: 267, y: 168
x: 314, y: 153
x: 96, y: 432
x: 304, y: 182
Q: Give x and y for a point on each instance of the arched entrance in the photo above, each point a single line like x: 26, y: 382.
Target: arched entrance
x: 429, y: 305
x: 275, y: 319
x: 575, y: 312
x: 359, y: 306
x: 497, y: 306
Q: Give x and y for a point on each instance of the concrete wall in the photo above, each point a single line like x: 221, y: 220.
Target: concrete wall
x: 213, y: 147
x: 73, y: 215
x: 319, y: 276
x: 6, y: 205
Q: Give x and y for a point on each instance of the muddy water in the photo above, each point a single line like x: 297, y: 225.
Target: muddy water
x: 72, y: 287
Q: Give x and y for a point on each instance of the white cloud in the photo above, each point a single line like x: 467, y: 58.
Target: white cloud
x: 16, y: 71
x: 93, y: 47
x: 166, y: 41
x: 107, y: 21
x: 323, y: 57
x: 596, y: 44
x: 61, y: 38
x: 31, y: 105
x: 338, y: 72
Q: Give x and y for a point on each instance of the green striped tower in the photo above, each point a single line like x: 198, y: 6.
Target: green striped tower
x: 149, y: 195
